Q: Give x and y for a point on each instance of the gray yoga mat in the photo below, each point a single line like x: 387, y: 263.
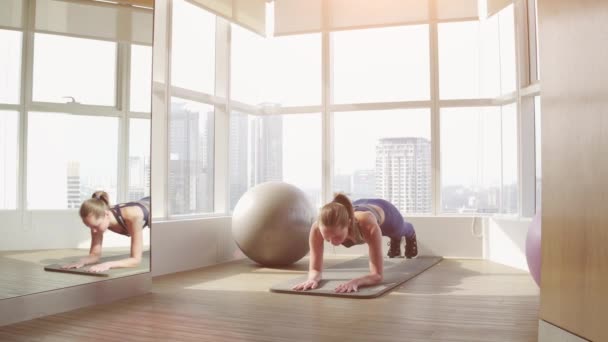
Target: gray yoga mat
x: 396, y: 272
x: 143, y: 267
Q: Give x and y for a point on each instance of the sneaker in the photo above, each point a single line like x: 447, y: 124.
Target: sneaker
x: 395, y: 248
x: 411, y: 247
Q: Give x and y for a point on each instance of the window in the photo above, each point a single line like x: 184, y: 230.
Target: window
x: 489, y: 59
x: 385, y: 154
x: 10, y: 66
x: 479, y: 160
x: 193, y: 48
x: 83, y: 159
x: 275, y: 148
x: 282, y: 71
x: 9, y: 130
x: 538, y: 145
x: 381, y: 65
x: 141, y: 79
x: 470, y: 160
x: 537, y: 46
x: 139, y: 159
x: 191, y: 143
x: 248, y: 66
x: 507, y: 50
x: 70, y: 69
x: 459, y: 60
x: 510, y: 170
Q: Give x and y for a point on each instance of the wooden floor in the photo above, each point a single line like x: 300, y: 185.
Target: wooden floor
x: 456, y: 300
x: 22, y: 272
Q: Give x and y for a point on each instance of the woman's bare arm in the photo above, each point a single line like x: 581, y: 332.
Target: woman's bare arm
x: 315, y: 268
x: 315, y: 242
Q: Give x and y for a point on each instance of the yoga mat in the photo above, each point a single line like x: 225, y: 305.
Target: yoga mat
x: 396, y: 272
x: 143, y: 267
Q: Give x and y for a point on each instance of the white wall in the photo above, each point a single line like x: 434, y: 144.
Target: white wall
x: 188, y: 244
x: 52, y: 229
x: 505, y: 241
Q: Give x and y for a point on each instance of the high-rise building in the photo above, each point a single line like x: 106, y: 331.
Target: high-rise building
x: 190, y: 160
x: 343, y: 183
x: 364, y: 184
x: 238, y: 145
x: 136, y: 178
x: 73, y: 185
x: 403, y: 173
x: 147, y: 176
x: 267, y: 149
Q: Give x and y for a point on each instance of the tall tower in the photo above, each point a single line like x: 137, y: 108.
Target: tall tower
x: 403, y: 173
x: 73, y: 184
x: 364, y: 184
x: 239, y: 137
x: 267, y: 151
x: 190, y: 160
x: 136, y: 178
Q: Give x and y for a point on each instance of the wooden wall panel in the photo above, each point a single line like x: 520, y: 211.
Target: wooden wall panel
x: 574, y: 84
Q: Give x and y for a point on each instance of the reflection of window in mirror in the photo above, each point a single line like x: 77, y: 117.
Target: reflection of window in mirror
x: 79, y: 123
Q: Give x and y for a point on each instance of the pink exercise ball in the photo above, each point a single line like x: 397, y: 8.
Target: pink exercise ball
x: 533, y: 254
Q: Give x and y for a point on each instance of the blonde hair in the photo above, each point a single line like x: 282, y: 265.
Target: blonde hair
x: 96, y: 205
x: 338, y: 213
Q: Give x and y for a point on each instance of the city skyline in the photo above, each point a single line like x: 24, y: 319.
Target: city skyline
x: 409, y: 167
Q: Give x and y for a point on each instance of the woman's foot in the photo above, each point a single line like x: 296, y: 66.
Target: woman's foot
x: 395, y: 248
x: 411, y: 247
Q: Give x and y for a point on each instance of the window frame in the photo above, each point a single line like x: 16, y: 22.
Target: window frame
x: 526, y: 88
x: 120, y: 109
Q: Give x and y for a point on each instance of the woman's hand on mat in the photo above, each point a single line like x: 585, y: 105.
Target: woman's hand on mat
x: 78, y: 264
x: 100, y: 267
x: 307, y: 285
x: 351, y: 286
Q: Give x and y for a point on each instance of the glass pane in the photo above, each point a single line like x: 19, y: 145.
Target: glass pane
x: 141, y: 78
x: 283, y: 71
x: 191, y: 134
x: 139, y: 159
x: 538, y: 149
x: 249, y: 66
x: 489, y: 59
x: 271, y: 148
x: 70, y: 69
x: 381, y: 65
x: 84, y: 159
x: 510, y: 198
x: 10, y: 66
x: 470, y: 160
x: 459, y: 60
x: 537, y: 38
x: 385, y: 154
x: 507, y: 50
x: 9, y: 145
x: 193, y: 48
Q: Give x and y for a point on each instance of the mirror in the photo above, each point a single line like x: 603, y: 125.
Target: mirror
x: 75, y: 110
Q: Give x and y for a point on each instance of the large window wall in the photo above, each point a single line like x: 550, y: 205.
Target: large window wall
x: 74, y: 113
x: 433, y: 116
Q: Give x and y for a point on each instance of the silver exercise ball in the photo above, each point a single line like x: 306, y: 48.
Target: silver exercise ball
x: 271, y: 223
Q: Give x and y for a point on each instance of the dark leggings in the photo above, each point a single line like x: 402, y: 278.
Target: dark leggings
x: 394, y: 225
